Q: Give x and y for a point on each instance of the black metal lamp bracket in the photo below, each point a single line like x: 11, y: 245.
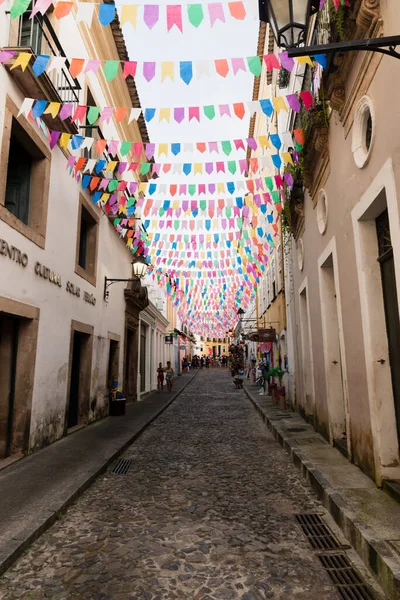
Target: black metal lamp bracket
x: 108, y: 282
x: 384, y: 45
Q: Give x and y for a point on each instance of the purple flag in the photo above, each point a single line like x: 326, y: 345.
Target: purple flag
x: 133, y: 186
x: 6, y: 55
x: 293, y: 102
x: 211, y: 188
x: 286, y: 62
x: 209, y: 168
x: 121, y: 167
x: 149, y: 151
x: 251, y: 142
x: 151, y: 15
x: 288, y: 179
x: 149, y: 70
x: 66, y: 111
x: 54, y: 137
x: 179, y: 114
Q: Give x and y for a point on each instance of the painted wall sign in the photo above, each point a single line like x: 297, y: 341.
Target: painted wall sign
x: 46, y: 273
x: 73, y: 289
x: 13, y: 253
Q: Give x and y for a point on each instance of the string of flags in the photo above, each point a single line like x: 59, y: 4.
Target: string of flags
x: 152, y: 150
x: 92, y: 114
x: 185, y: 70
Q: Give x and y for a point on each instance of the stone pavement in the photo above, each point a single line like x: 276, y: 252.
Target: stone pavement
x: 35, y: 490
x: 206, y: 512
x: 368, y: 517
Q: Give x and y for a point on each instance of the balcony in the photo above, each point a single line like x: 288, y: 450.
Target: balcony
x: 37, y: 36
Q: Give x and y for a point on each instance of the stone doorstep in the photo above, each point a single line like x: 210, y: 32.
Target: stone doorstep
x: 382, y: 557
x: 16, y: 546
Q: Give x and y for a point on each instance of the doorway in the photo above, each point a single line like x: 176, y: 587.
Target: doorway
x: 142, y: 359
x: 391, y: 307
x: 307, y: 366
x: 80, y: 375
x: 113, y: 360
x: 9, y: 333
x: 333, y: 355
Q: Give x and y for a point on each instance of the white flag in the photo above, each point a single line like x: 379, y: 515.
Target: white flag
x: 85, y: 12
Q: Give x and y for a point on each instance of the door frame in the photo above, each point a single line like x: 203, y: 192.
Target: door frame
x: 304, y: 289
x: 330, y: 250
x: 77, y: 326
x: 381, y: 194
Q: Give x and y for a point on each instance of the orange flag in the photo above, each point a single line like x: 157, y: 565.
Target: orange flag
x: 120, y: 114
x: 299, y: 136
x: 222, y: 67
x: 239, y: 109
x: 237, y: 10
x: 62, y: 9
x: 76, y: 65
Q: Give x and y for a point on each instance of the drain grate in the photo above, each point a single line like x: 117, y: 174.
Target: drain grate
x: 346, y: 579
x: 122, y: 466
x: 296, y: 429
x: 317, y: 533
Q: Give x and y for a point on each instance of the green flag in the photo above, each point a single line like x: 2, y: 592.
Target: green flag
x: 195, y: 14
x: 209, y: 111
x: 112, y: 186
x: 203, y: 204
x: 232, y: 166
x: 192, y: 189
x: 276, y: 197
x: 269, y: 183
x: 111, y: 69
x: 18, y: 8
x: 145, y: 168
x: 125, y: 148
x: 93, y: 114
x: 226, y: 147
x: 254, y: 65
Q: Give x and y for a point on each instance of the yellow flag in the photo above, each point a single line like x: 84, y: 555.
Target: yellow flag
x: 128, y: 14
x: 287, y: 158
x: 202, y: 254
x: 279, y: 104
x: 142, y: 188
x: 129, y: 242
x: 215, y: 224
x: 164, y: 114
x: 167, y: 70
x: 162, y: 149
x: 111, y: 165
x: 304, y: 60
x: 104, y: 198
x: 208, y: 237
x: 264, y: 141
x: 175, y: 204
x: 53, y: 109
x: 153, y: 224
x: 198, y: 168
x: 64, y: 139
x: 220, y: 187
x: 22, y: 60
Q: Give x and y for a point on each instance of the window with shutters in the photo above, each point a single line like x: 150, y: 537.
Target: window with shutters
x: 24, y: 189
x: 268, y: 288
x: 87, y: 241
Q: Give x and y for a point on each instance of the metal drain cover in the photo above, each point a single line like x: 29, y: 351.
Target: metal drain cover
x: 346, y: 578
x: 122, y: 466
x: 317, y: 533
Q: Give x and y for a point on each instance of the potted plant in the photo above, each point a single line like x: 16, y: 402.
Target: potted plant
x: 278, y: 393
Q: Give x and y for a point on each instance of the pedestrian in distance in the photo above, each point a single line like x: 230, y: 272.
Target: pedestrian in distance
x: 169, y: 376
x: 160, y: 377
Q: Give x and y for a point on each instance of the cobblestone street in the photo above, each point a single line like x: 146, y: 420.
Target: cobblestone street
x: 206, y: 511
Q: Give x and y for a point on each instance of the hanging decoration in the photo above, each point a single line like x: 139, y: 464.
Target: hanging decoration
x: 91, y: 114
x: 185, y: 70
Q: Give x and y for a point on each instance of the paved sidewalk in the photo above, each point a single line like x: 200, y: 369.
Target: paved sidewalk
x: 35, y: 490
x: 368, y: 517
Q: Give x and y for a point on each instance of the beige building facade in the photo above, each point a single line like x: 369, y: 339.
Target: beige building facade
x: 346, y: 246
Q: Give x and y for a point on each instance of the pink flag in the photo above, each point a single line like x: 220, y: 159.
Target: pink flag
x: 174, y: 16
x: 216, y: 13
x: 194, y: 113
x: 243, y: 165
x: 149, y: 70
x: 150, y: 15
x: 41, y: 6
x: 202, y: 188
x: 79, y: 114
x: 239, y: 145
x: 307, y: 99
x: 106, y: 114
x: 220, y: 167
x: 224, y: 110
x: 92, y: 66
x: 213, y: 146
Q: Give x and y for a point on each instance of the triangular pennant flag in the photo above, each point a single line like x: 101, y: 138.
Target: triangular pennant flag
x: 221, y: 66
x: 26, y: 106
x: 85, y: 12
x: 22, y: 60
x: 62, y: 9
x: 149, y: 70
x: 106, y: 13
x: 167, y: 70
x: 111, y: 69
x: 237, y: 10
x: 216, y: 12
x: 76, y: 67
x: 186, y: 71
x: 18, y: 8
x: 150, y: 16
x: 254, y: 64
x: 174, y: 16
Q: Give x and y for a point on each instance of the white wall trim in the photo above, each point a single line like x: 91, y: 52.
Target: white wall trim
x: 304, y: 287
x: 380, y: 392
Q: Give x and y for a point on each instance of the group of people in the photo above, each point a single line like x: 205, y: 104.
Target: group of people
x: 165, y: 373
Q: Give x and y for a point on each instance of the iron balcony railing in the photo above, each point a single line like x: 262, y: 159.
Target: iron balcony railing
x: 38, y: 35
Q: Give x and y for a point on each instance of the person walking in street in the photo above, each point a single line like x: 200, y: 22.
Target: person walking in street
x: 160, y: 377
x: 169, y: 376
